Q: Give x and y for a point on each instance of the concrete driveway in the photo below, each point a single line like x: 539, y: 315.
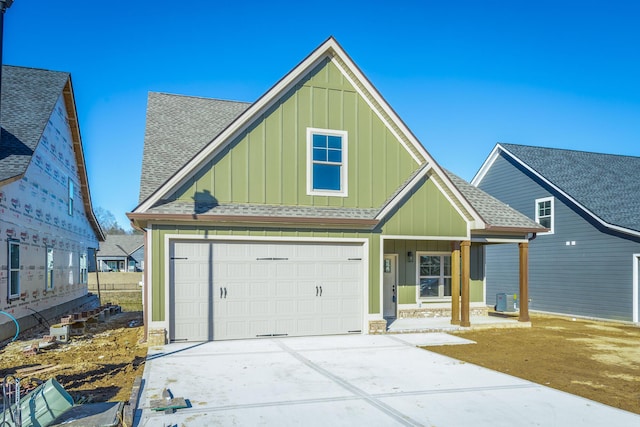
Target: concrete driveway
x: 368, y: 380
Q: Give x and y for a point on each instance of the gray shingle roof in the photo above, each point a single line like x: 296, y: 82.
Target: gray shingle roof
x: 177, y: 128
x: 493, y: 211
x: 605, y: 184
x: 238, y: 209
x: 29, y: 96
x: 120, y: 244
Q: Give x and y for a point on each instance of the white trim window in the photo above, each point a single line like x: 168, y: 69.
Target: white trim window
x: 70, y: 194
x: 13, y: 287
x: 83, y: 268
x: 326, y: 162
x: 545, y: 213
x: 434, y: 276
x: 48, y: 285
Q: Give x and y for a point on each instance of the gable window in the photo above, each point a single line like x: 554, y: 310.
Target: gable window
x: 326, y: 162
x: 49, y: 277
x: 70, y: 204
x: 434, y: 275
x: 544, y: 213
x: 14, y: 269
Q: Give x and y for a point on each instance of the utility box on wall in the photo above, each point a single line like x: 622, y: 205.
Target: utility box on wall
x: 506, y: 302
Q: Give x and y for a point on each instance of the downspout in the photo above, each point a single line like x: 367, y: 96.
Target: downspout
x: 145, y: 287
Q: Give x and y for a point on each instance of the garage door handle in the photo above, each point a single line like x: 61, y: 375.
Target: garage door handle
x: 316, y: 291
x: 225, y: 293
x: 320, y: 290
x: 220, y: 293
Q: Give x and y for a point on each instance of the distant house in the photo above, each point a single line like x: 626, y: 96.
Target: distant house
x: 121, y: 252
x: 587, y: 263
x: 47, y: 225
x: 312, y: 211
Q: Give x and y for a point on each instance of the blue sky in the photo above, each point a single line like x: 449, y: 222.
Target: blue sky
x: 463, y: 75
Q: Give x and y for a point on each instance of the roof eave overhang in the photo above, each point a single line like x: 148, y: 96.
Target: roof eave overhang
x: 74, y: 125
x: 141, y: 220
x: 504, y: 229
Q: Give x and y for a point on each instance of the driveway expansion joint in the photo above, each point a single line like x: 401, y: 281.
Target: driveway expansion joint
x: 391, y: 412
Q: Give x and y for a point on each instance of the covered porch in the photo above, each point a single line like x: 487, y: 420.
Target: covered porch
x: 422, y: 277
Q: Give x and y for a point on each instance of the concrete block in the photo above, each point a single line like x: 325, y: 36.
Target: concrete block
x: 60, y: 332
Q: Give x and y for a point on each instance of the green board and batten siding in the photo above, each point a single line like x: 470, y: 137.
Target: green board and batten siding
x: 426, y: 212
x: 267, y: 164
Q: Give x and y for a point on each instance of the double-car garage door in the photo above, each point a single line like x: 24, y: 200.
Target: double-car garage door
x: 236, y: 289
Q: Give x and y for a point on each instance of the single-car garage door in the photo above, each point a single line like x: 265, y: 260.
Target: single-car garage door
x: 234, y: 290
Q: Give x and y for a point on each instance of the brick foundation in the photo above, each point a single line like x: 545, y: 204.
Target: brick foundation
x: 377, y: 326
x: 156, y: 337
x: 418, y: 313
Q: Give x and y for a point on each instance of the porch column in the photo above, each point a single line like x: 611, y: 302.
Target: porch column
x: 465, y: 249
x: 524, y: 281
x: 455, y: 283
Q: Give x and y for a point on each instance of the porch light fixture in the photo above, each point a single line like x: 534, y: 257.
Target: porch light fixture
x: 410, y: 256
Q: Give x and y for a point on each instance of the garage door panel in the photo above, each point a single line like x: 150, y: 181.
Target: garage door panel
x: 271, y: 288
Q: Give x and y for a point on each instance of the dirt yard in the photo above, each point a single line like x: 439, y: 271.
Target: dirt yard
x: 97, y: 367
x: 596, y: 360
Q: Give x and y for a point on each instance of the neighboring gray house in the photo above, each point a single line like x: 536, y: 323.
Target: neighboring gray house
x: 121, y: 252
x: 587, y: 264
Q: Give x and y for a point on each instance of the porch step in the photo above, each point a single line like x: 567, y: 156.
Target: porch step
x: 428, y: 312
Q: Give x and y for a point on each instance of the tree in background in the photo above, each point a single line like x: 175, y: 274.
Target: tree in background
x: 108, y: 221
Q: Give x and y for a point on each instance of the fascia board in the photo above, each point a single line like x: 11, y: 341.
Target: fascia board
x: 478, y: 222
x: 385, y: 107
x: 398, y: 197
x: 568, y: 196
x: 486, y: 165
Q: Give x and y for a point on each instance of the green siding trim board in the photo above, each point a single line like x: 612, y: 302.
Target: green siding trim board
x: 158, y: 233
x: 267, y: 164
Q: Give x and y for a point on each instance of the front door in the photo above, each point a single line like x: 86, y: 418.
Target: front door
x: 390, y: 286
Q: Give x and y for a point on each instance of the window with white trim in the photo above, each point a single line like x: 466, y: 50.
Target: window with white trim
x: 326, y: 162
x: 83, y: 268
x: 50, y: 270
x: 434, y: 276
x: 14, y: 269
x: 544, y: 213
x: 70, y: 193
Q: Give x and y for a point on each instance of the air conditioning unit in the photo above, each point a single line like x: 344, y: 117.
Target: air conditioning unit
x: 506, y: 302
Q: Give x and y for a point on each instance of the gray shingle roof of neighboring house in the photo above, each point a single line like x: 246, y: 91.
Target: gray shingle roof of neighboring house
x: 607, y: 185
x: 177, y: 128
x: 494, y: 212
x: 29, y: 96
x: 120, y: 244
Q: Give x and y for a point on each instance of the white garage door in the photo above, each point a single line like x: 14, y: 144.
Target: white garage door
x: 232, y: 290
